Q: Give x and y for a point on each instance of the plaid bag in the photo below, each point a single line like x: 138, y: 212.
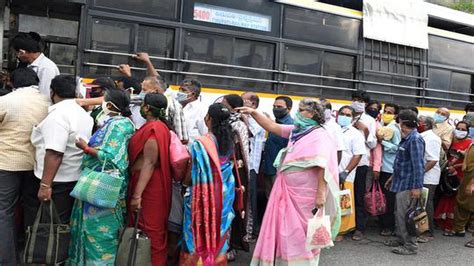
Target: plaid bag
x: 101, y: 189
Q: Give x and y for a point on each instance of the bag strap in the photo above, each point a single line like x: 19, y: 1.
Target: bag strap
x: 31, y: 247
x: 49, y: 249
x: 239, y: 182
x: 132, y: 255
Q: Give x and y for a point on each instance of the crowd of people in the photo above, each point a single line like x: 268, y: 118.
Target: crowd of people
x: 51, y: 137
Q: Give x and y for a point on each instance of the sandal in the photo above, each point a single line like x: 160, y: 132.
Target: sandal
x: 358, y: 236
x: 403, y: 251
x: 470, y: 244
x: 422, y: 239
x: 392, y: 243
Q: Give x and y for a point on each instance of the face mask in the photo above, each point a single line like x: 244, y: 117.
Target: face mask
x: 387, y: 118
x: 106, y: 110
x: 142, y: 95
x: 439, y: 118
x: 459, y: 134
x: 327, y: 115
x: 344, y: 121
x: 358, y: 107
x: 181, y: 96
x: 373, y: 113
x: 279, y: 113
x: 302, y: 122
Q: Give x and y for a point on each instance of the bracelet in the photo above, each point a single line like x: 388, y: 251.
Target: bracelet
x: 136, y: 197
x: 44, y: 185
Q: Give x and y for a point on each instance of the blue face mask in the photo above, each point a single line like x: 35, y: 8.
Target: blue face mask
x: 142, y: 95
x: 439, y: 118
x: 344, y: 121
x: 181, y: 96
x: 471, y: 132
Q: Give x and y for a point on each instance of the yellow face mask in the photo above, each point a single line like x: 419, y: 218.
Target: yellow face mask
x: 387, y: 118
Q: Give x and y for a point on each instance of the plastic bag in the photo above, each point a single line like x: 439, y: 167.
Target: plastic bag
x: 375, y: 202
x: 318, y: 234
x: 346, y: 202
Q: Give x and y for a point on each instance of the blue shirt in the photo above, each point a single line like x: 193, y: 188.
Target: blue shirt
x: 409, y: 167
x: 273, y: 145
x: 390, y: 148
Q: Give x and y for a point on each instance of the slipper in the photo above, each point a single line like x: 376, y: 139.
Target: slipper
x: 470, y: 244
x: 422, y: 239
x: 386, y: 232
x: 403, y: 251
x: 357, y: 236
x: 456, y: 234
x: 339, y: 238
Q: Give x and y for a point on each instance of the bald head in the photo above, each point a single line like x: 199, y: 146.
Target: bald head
x: 443, y: 111
x: 251, y: 99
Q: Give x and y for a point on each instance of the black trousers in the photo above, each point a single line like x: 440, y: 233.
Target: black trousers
x: 60, y: 196
x: 11, y: 184
x: 359, y: 192
x: 387, y: 220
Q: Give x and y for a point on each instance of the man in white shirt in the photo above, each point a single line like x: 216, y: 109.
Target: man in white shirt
x: 194, y: 111
x: 333, y: 128
x: 29, y: 50
x: 432, y: 169
x: 366, y: 125
x: 58, y: 160
x: 257, y: 142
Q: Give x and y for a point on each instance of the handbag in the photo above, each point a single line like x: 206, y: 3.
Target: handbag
x: 47, y: 242
x: 134, y: 246
x: 179, y: 158
x: 416, y: 219
x: 346, y: 202
x: 318, y: 233
x: 374, y: 199
x: 100, y: 189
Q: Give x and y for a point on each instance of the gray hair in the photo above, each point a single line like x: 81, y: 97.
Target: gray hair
x: 428, y: 121
x: 314, y: 107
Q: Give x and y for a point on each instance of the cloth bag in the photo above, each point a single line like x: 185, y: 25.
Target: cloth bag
x: 416, y: 219
x: 375, y: 202
x: 100, y: 189
x: 47, y: 242
x: 134, y: 247
x: 346, y: 202
x: 179, y: 158
x: 318, y: 233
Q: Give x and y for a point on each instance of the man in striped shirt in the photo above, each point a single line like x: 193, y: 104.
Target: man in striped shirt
x: 407, y: 180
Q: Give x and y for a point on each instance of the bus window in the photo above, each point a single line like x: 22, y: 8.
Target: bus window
x: 160, y: 8
x: 340, y: 66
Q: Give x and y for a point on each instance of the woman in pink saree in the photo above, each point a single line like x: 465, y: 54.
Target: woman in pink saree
x: 307, y: 177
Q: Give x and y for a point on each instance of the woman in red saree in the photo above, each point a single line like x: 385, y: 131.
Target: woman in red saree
x: 150, y: 182
x: 444, y: 214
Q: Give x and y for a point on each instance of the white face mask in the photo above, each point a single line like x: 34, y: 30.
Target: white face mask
x: 358, y: 107
x: 106, y: 110
x: 459, y: 134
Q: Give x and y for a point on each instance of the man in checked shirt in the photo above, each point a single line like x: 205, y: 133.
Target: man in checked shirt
x: 407, y: 180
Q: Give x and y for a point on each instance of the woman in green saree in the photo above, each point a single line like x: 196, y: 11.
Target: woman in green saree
x: 95, y: 230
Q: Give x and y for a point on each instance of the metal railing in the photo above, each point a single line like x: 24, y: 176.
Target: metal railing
x: 288, y: 73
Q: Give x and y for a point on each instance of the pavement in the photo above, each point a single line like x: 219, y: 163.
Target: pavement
x: 371, y: 251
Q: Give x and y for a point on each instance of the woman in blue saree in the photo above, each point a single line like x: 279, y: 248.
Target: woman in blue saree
x: 208, y: 202
x: 95, y: 230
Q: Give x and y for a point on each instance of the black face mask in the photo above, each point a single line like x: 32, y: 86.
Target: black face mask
x: 279, y: 113
x: 373, y: 113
